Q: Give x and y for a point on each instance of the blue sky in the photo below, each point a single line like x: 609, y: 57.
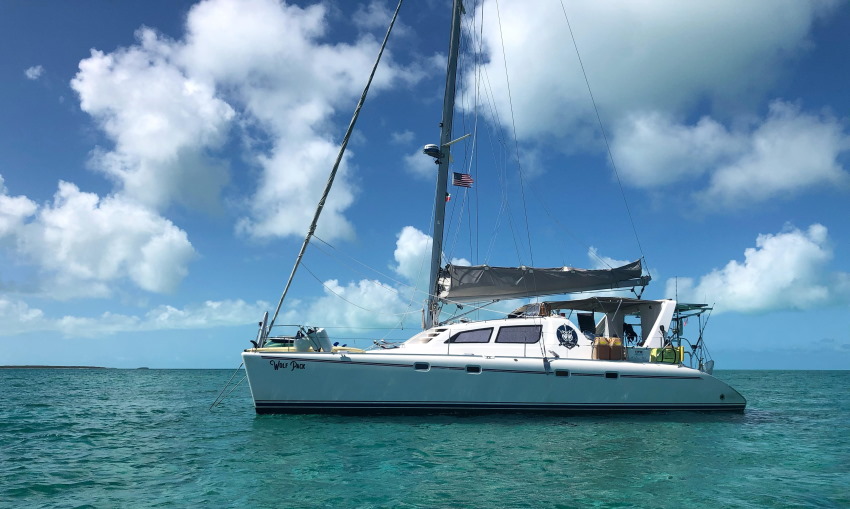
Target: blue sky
x: 161, y: 161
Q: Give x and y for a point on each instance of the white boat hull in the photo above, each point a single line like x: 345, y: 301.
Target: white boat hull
x: 379, y: 382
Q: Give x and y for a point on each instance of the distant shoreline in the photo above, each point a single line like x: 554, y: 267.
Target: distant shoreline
x: 53, y: 367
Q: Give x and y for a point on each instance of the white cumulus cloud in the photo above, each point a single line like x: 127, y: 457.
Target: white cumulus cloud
x: 650, y: 66
x: 18, y: 317
x: 787, y: 152
x: 657, y: 56
x: 289, y: 83
x: 786, y: 270
x: 14, y: 210
x: 35, y: 72
x: 653, y: 150
x: 790, y: 152
x: 411, y: 253
x: 266, y: 66
x: 160, y: 120
x: 83, y: 244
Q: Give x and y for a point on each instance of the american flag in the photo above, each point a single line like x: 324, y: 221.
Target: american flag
x: 462, y: 180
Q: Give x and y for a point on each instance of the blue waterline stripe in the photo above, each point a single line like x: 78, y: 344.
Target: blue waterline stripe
x: 403, y: 405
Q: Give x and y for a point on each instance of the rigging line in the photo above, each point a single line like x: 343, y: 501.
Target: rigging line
x: 469, y: 153
x: 403, y: 315
x: 501, y: 162
x: 413, y: 288
x: 569, y: 232
x: 312, y: 230
x: 468, y: 67
x: 376, y: 271
x: 218, y: 398
x: 503, y: 205
x: 475, y: 140
x: 425, y: 258
x: 378, y: 283
x: 516, y: 141
x: 351, y: 328
x: 358, y: 338
x: 604, y: 135
x: 450, y: 227
x: 234, y: 388
x: 702, y: 327
x: 516, y: 149
x: 505, y: 209
x: 469, y: 148
x: 499, y: 156
x: 479, y: 308
x: 458, y: 315
x: 469, y: 222
x: 461, y: 208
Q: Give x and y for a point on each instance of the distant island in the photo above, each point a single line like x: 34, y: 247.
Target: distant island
x: 53, y: 367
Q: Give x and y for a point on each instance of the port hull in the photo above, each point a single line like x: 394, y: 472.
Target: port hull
x: 387, y: 383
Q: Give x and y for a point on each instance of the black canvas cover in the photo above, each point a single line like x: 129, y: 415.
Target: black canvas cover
x: 482, y: 282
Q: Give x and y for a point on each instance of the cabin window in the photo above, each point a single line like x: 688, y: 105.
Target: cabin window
x: 526, y: 334
x: 472, y: 336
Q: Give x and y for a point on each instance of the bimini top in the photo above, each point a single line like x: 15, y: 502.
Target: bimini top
x: 604, y: 304
x: 482, y: 282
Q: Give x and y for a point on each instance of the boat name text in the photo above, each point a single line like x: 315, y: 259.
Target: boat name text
x: 293, y: 365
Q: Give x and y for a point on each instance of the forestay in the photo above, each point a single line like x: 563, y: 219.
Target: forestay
x: 482, y: 282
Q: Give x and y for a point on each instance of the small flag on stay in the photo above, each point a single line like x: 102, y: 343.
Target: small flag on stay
x: 462, y: 180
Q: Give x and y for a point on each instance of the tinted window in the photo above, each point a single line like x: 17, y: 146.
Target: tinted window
x: 519, y: 334
x: 472, y: 336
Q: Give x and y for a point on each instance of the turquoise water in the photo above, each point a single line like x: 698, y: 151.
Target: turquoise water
x: 145, y: 438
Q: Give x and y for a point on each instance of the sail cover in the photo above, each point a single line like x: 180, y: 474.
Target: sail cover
x: 482, y: 282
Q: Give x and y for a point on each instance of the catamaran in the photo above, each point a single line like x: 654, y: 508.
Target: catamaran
x: 598, y: 353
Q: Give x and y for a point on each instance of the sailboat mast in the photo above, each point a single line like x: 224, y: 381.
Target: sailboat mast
x: 431, y: 309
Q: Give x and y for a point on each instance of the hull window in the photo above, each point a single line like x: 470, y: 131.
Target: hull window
x: 473, y: 369
x: 562, y: 372
x: 612, y: 374
x: 472, y: 336
x: 525, y: 334
x: 421, y: 366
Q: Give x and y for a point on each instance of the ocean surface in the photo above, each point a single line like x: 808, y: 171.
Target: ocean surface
x: 146, y: 438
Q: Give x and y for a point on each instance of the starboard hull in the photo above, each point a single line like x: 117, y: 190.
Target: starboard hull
x: 403, y: 383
